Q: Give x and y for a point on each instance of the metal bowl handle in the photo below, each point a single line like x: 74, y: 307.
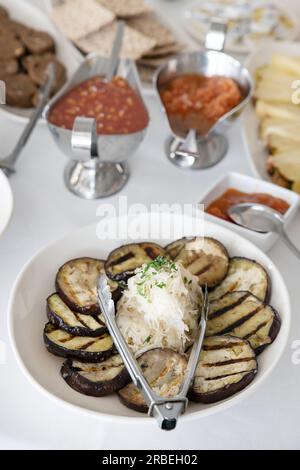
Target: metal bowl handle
x: 216, y: 36
x: 84, y: 139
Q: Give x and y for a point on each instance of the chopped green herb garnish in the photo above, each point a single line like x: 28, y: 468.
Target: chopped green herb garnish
x: 161, y: 285
x: 122, y: 285
x: 151, y: 269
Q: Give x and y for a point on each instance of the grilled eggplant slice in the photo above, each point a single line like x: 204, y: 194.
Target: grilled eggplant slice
x: 76, y: 283
x: 165, y: 371
x: 243, y: 315
x: 244, y: 275
x: 122, y: 262
x: 205, y: 257
x: 76, y: 324
x: 96, y: 380
x: 226, y: 366
x: 174, y: 248
x: 85, y: 348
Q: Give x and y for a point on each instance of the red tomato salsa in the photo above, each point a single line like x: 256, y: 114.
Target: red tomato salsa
x: 115, y: 105
x: 193, y: 101
x: 229, y: 198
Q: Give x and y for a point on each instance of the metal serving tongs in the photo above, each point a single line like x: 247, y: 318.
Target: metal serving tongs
x: 165, y: 411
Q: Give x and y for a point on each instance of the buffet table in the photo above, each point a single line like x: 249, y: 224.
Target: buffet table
x: 44, y: 211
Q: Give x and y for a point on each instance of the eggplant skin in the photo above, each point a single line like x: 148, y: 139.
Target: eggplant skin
x: 273, y: 333
x: 93, y: 389
x: 227, y: 364
x: 128, y: 398
x: 62, y: 284
x: 243, y: 315
x: 219, y: 395
x: 81, y: 355
x: 73, y: 330
x: 135, y: 255
x: 209, y: 262
x: 231, y: 282
x: 164, y: 369
x: 174, y: 248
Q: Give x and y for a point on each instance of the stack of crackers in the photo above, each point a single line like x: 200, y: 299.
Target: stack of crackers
x: 91, y: 25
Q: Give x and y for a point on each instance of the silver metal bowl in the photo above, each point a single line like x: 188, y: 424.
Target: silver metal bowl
x: 98, y: 162
x: 191, y: 150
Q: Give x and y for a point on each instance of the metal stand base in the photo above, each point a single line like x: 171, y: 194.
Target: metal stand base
x: 204, y: 154
x: 95, y: 180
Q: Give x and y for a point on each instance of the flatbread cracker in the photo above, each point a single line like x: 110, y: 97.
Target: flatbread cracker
x: 135, y: 44
x: 154, y: 62
x: 150, y: 25
x: 126, y: 8
x: 164, y: 50
x: 78, y: 18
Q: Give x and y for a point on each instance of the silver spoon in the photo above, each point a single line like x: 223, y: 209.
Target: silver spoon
x: 262, y: 219
x: 114, y: 58
x: 7, y: 165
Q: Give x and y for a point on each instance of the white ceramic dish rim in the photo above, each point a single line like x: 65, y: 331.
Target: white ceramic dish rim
x: 248, y: 116
x: 6, y: 196
x: 143, y: 419
x: 245, y: 49
x: 243, y: 231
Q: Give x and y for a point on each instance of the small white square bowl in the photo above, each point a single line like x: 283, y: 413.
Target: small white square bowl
x: 249, y: 184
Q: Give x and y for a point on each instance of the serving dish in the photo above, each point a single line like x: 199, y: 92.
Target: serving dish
x: 192, y: 149
x: 238, y: 41
x: 248, y: 184
x: 98, y: 169
x: 27, y: 319
x: 255, y: 149
x: 6, y: 204
x: 33, y: 17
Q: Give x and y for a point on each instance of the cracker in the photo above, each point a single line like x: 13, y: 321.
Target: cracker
x: 78, y: 18
x: 164, y: 50
x: 126, y: 8
x: 135, y: 44
x: 154, y: 62
x: 150, y: 25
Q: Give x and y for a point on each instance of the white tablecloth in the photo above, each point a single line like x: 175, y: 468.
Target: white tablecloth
x: 44, y: 210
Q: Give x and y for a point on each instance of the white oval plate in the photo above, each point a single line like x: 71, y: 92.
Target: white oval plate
x: 6, y: 202
x: 27, y: 317
x: 32, y: 16
x: 256, y: 152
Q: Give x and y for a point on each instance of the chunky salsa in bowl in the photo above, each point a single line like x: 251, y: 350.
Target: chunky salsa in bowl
x: 117, y: 108
x: 196, y: 101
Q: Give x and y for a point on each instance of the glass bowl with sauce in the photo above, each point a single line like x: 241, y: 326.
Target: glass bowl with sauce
x: 98, y: 125
x: 202, y: 93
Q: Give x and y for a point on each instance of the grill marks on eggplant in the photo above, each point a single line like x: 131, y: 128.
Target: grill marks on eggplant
x: 76, y: 283
x: 239, y: 291
x: 244, y: 275
x: 164, y: 370
x: 86, y: 349
x: 243, y: 315
x: 226, y: 366
x: 96, y: 380
x: 205, y: 257
x: 75, y: 323
x: 122, y: 262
